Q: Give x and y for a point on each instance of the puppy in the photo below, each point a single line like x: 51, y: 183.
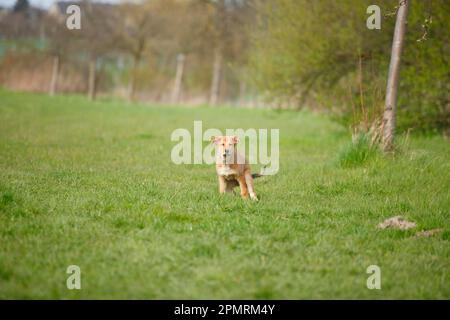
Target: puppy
x: 232, y: 168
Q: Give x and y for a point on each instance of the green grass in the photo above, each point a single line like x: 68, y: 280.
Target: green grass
x: 357, y: 152
x: 92, y: 184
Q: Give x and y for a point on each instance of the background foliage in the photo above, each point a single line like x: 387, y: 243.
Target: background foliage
x: 321, y: 53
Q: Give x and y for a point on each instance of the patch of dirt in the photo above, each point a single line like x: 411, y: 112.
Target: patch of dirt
x: 427, y: 233
x: 397, y: 222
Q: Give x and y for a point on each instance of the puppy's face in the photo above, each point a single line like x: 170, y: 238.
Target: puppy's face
x: 225, y: 148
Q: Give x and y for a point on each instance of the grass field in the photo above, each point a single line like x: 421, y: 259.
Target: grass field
x: 92, y: 184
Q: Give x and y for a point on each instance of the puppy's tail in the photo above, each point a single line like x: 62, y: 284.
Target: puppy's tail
x: 258, y: 175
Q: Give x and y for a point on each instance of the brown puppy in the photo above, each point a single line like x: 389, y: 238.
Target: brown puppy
x: 232, y: 168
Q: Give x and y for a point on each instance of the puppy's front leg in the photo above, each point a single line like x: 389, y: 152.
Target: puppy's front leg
x: 249, y: 181
x: 243, y: 186
x: 222, y: 184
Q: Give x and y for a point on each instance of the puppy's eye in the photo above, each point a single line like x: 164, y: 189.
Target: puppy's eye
x: 223, y: 144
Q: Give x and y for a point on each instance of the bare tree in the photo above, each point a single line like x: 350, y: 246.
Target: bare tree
x: 227, y: 37
x: 60, y: 44
x: 393, y: 77
x: 219, y: 37
x: 135, y: 32
x: 99, y: 22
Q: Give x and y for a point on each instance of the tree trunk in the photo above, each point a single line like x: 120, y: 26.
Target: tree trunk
x: 55, y: 75
x: 242, y: 93
x: 132, y: 84
x: 178, y: 79
x: 393, y: 77
x: 131, y: 88
x: 217, y: 74
x: 92, y: 84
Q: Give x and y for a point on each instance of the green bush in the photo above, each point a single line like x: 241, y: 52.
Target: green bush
x: 357, y: 152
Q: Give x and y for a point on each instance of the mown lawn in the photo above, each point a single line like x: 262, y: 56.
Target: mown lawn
x: 92, y: 184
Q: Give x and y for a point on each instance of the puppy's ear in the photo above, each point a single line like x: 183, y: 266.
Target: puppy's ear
x: 235, y: 139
